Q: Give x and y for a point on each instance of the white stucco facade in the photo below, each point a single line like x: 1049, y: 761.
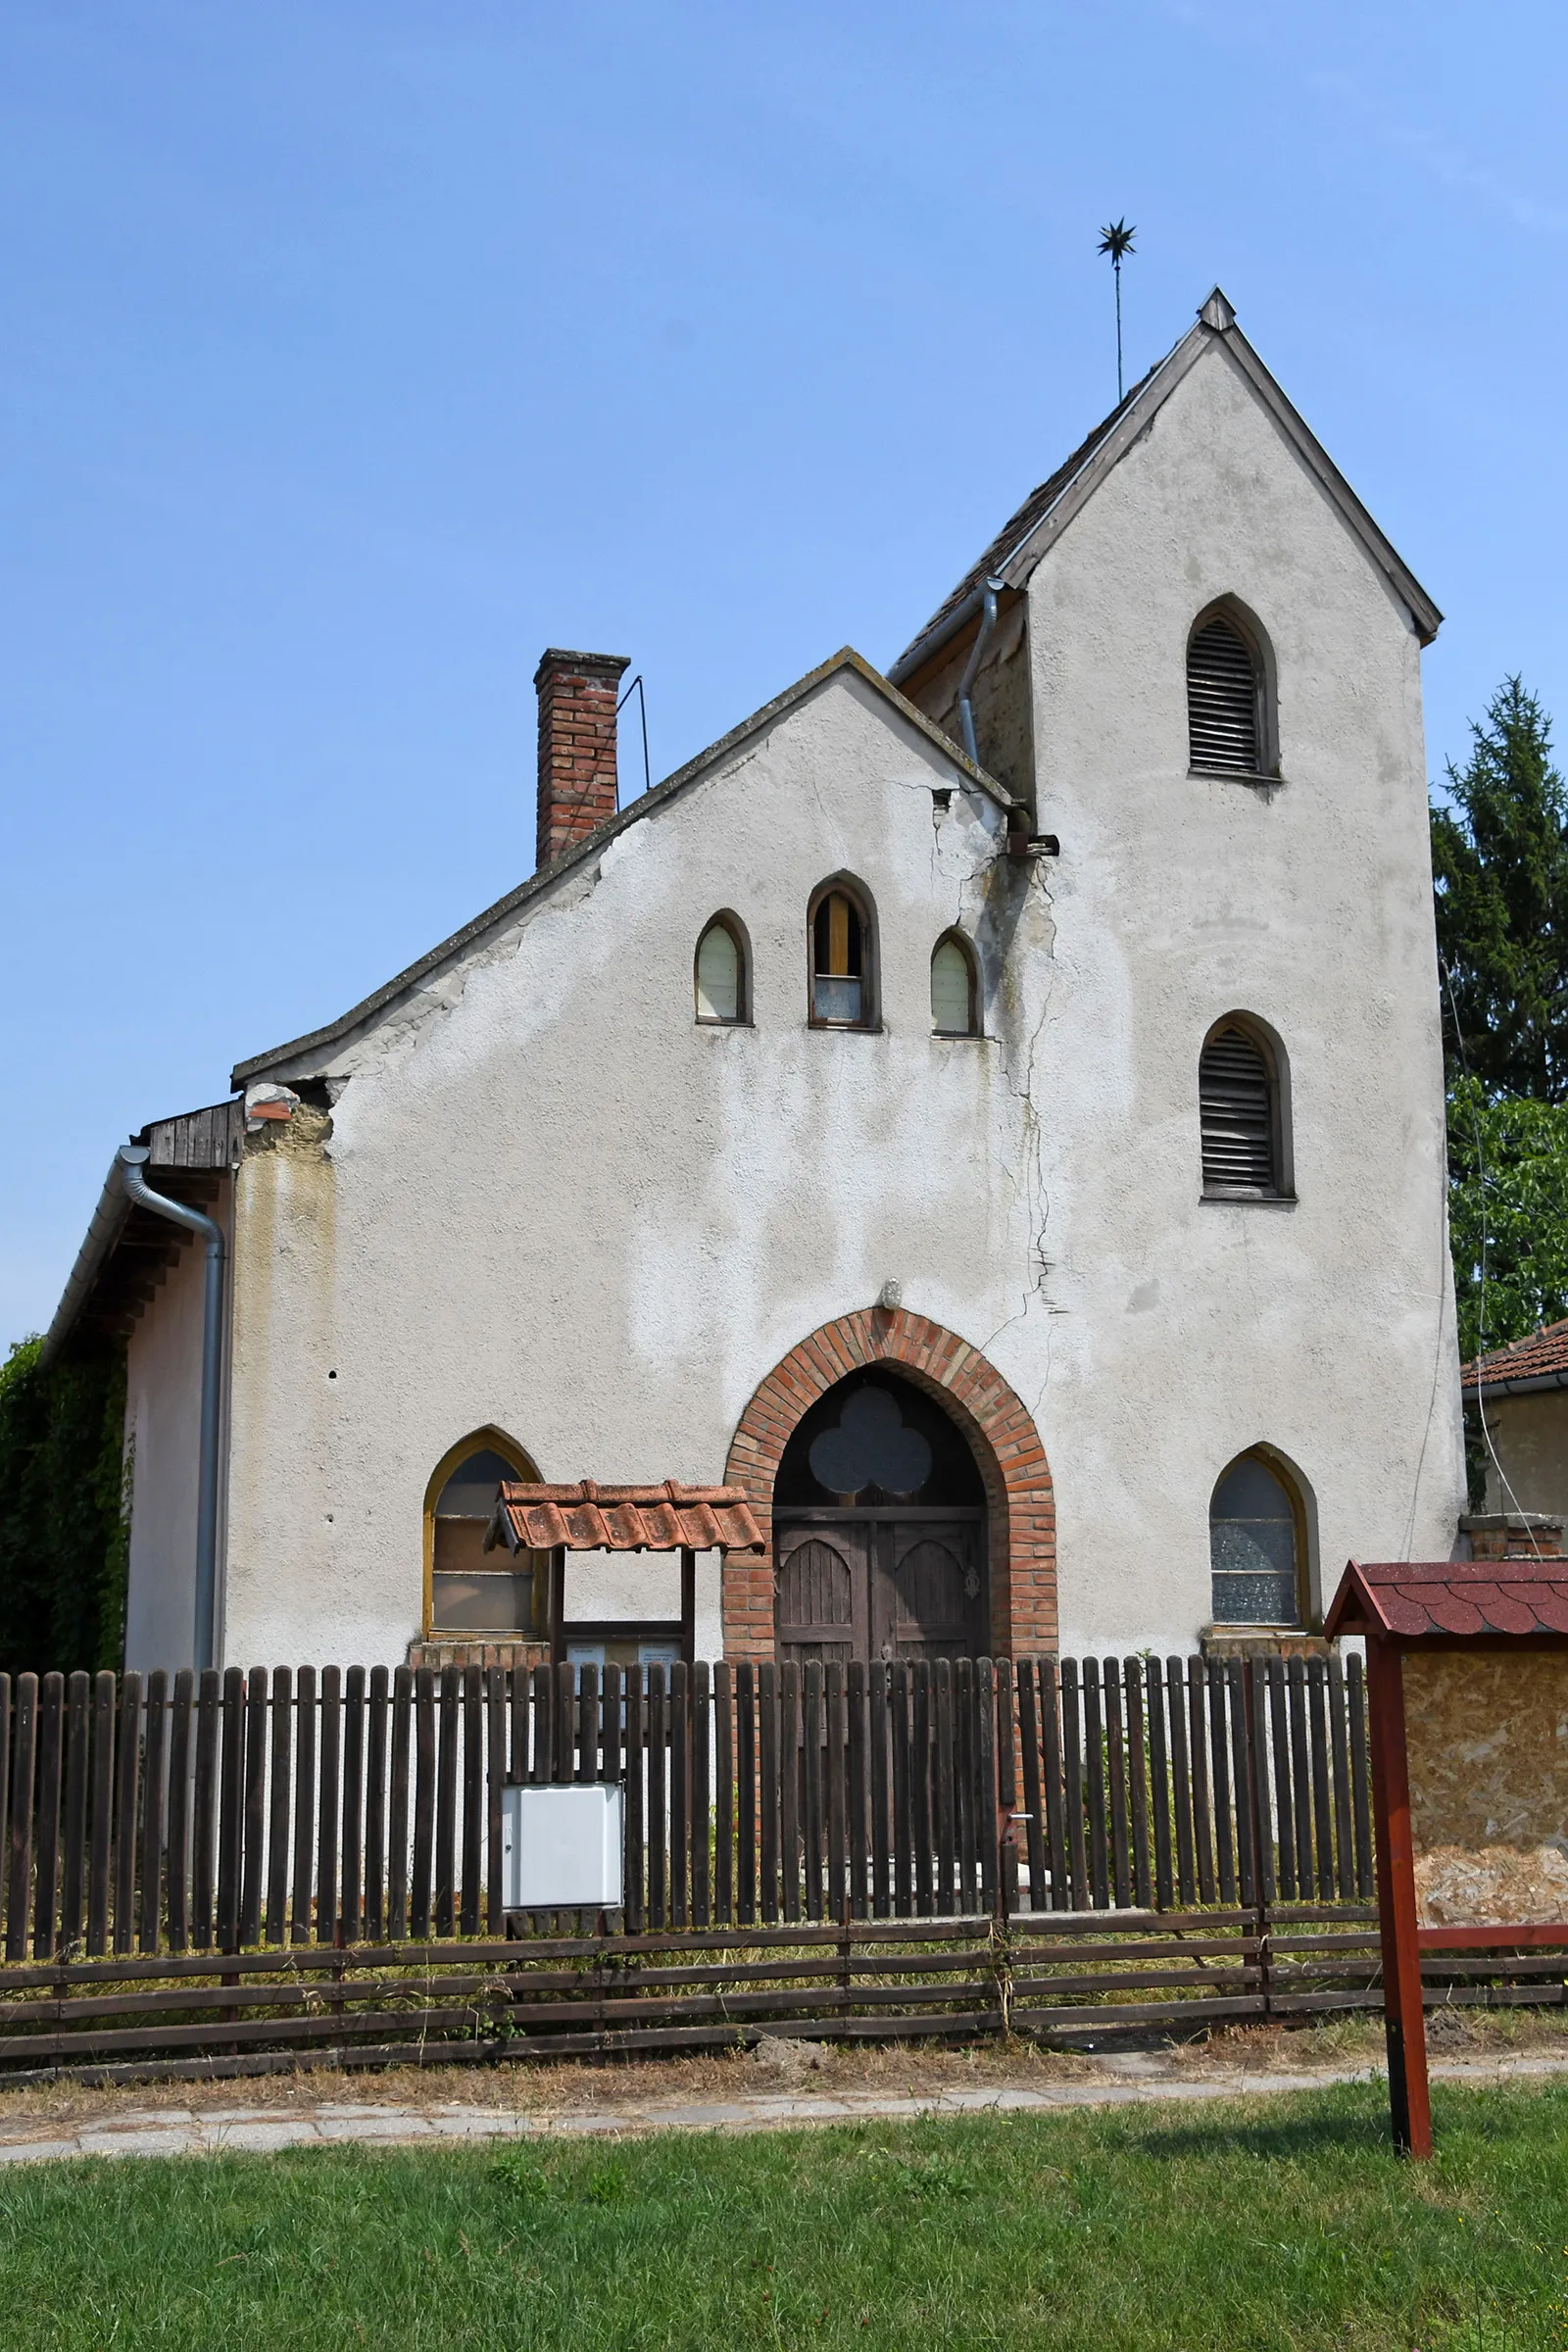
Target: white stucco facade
x: 546, y: 1202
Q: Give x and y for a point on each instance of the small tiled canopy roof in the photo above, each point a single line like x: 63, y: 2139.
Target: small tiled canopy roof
x: 1540, y: 1358
x: 1485, y: 1598
x: 588, y: 1517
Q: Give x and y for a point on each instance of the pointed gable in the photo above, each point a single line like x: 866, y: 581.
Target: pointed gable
x: 1046, y: 513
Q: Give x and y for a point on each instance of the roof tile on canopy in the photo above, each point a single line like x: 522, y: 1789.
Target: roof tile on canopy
x: 1479, y: 1599
x: 589, y: 1517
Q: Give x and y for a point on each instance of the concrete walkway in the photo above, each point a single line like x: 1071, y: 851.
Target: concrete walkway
x: 223, y: 2131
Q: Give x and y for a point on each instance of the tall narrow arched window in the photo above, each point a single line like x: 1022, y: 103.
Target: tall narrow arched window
x: 720, y: 972
x: 473, y: 1591
x: 843, y: 975
x: 1227, y: 706
x: 955, y: 988
x: 1257, y: 1545
x: 1241, y: 1113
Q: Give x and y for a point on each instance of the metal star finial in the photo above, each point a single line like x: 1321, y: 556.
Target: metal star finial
x: 1116, y: 240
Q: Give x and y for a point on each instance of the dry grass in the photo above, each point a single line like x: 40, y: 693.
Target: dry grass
x: 913, y: 2068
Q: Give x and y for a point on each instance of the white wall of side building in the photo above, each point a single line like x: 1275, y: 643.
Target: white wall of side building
x: 162, y: 1431
x: 1529, y: 1438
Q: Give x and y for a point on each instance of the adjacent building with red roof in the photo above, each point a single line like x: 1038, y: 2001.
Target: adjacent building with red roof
x: 1522, y: 1390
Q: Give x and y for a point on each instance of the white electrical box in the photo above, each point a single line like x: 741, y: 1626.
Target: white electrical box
x: 562, y: 1847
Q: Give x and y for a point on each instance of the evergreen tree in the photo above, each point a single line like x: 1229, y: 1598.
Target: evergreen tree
x: 1500, y: 859
x: 1500, y: 865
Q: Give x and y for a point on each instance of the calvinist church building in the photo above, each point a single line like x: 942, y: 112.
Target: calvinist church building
x: 990, y: 1115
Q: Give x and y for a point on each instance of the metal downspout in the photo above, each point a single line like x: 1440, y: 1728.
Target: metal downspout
x: 133, y: 1158
x: 990, y: 589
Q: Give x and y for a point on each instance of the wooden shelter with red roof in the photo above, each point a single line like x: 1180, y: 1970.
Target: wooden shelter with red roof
x: 546, y: 1521
x: 1468, y: 1682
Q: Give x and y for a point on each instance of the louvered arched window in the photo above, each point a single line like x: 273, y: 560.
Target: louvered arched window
x: 1226, y: 713
x: 1241, y: 1112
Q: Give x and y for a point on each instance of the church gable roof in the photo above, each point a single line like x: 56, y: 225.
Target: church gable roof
x: 846, y: 661
x: 1046, y: 513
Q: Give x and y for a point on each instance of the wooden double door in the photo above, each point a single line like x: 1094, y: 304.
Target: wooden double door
x: 885, y: 1583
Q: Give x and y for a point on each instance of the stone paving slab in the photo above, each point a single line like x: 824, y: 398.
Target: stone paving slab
x: 227, y: 2130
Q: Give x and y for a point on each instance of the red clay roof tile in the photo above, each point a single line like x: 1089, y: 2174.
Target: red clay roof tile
x: 1538, y: 1356
x: 1479, y: 1599
x: 589, y: 1517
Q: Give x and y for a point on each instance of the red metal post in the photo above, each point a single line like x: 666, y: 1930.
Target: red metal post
x: 1404, y: 2016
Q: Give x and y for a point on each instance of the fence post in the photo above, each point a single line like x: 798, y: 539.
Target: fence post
x: 992, y: 1821
x: 255, y: 1818
x: 46, y: 1875
x: 208, y: 1726
x: 473, y: 1808
x: 495, y: 1781
x: 1262, y: 1836
x: 152, y: 1814
x: 446, y: 1803
x: 24, y: 1750
x: 78, y: 1705
x: 328, y: 1800
x: 1137, y: 1775
x: 376, y: 1806
x: 230, y: 1813
x: 702, y: 1791
x: 126, y: 1810
x: 397, y: 1829
x: 636, y: 1800
x: 305, y: 1746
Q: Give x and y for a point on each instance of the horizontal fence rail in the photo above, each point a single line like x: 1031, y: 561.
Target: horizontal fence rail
x: 263, y: 1868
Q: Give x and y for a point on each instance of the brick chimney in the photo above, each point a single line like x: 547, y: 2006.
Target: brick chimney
x: 576, y: 746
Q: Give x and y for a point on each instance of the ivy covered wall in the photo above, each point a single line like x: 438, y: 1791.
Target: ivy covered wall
x: 64, y: 1510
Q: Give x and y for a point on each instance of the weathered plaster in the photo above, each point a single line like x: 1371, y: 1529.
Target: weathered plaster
x: 551, y: 1202
x: 1180, y: 1332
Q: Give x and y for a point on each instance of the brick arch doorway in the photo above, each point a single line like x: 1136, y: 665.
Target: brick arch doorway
x: 1020, y: 1520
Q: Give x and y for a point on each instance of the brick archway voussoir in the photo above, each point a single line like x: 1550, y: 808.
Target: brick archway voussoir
x: 1002, y: 1435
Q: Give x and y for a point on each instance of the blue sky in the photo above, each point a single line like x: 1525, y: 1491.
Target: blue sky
x: 353, y: 353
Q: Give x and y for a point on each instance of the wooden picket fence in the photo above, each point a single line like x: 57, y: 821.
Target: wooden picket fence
x: 233, y: 1872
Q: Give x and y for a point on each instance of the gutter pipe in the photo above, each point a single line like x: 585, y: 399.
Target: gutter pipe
x: 132, y: 1159
x: 990, y: 589
x: 1534, y: 1384
x: 934, y: 639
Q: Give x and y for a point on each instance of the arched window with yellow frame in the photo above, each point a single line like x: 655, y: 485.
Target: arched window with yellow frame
x: 843, y: 958
x: 471, y: 1593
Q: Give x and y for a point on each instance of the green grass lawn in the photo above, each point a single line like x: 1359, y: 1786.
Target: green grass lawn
x: 1279, y: 2224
